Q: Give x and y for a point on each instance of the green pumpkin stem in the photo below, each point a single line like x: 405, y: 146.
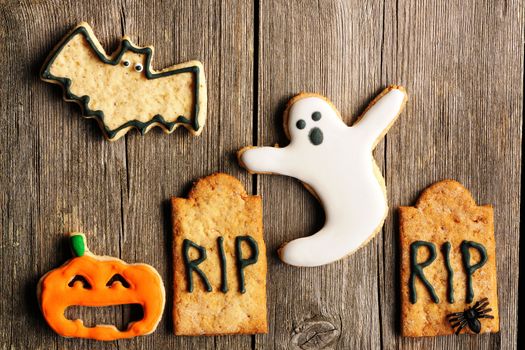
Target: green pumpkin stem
x: 78, y: 243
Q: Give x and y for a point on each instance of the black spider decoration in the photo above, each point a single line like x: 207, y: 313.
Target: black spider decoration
x: 470, y: 317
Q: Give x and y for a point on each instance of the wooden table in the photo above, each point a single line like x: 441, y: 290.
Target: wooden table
x: 461, y: 62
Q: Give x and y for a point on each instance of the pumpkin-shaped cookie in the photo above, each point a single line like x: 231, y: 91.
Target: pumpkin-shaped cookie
x: 98, y: 281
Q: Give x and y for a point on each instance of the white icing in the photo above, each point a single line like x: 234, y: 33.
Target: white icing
x: 341, y: 171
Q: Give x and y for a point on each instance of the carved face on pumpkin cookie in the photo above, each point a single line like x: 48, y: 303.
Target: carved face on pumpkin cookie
x: 98, y: 281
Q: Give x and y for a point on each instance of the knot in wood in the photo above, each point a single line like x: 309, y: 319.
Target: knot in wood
x: 315, y: 334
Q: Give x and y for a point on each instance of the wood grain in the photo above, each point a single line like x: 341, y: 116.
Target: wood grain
x: 332, y: 48
x: 461, y: 61
x: 64, y: 176
x: 462, y: 67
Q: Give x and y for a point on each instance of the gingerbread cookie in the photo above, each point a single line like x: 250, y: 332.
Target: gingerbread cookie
x: 335, y: 163
x: 122, y: 91
x: 448, y: 264
x: 220, y: 260
x: 90, y: 280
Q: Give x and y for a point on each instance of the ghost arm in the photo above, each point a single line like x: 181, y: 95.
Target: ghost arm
x: 266, y: 160
x: 381, y: 114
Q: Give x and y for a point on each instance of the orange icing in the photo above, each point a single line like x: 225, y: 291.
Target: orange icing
x: 146, y: 288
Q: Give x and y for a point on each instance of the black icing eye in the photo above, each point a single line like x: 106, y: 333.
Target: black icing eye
x: 117, y: 278
x: 301, y: 124
x: 138, y: 67
x: 126, y: 63
x: 316, y: 116
x: 81, y: 279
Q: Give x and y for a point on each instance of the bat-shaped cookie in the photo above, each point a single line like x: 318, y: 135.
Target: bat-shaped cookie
x: 122, y: 91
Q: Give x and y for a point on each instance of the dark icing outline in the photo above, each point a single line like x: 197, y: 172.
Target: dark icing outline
x: 416, y: 270
x: 224, y: 271
x: 445, y: 248
x: 192, y: 265
x: 470, y: 269
x: 243, y: 263
x: 126, y: 45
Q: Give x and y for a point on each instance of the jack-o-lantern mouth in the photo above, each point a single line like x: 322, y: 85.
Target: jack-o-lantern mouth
x: 120, y: 316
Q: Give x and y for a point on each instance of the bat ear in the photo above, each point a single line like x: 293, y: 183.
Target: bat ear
x: 85, y: 29
x: 128, y: 39
x: 84, y: 25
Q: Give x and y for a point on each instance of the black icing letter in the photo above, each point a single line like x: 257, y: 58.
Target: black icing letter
x: 243, y: 263
x: 450, y: 281
x: 416, y: 270
x: 470, y: 269
x: 192, y: 265
x: 222, y: 258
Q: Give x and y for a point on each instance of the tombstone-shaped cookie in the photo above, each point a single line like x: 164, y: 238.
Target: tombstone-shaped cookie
x: 448, y: 264
x: 219, y: 260
x: 122, y: 90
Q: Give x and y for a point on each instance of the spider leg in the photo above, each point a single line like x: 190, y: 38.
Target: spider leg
x: 482, y: 300
x: 455, y: 323
x: 485, y: 316
x: 461, y: 326
x: 456, y: 318
x: 455, y: 314
x: 478, y: 303
x: 484, y: 311
x: 481, y: 306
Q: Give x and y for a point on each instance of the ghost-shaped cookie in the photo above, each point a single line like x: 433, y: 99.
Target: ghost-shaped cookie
x: 335, y: 162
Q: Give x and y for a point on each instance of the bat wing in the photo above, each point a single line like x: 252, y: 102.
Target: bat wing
x: 177, y: 95
x: 78, y: 64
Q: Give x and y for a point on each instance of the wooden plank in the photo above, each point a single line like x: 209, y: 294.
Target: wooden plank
x: 333, y: 48
x: 462, y: 63
x: 59, y: 174
x: 220, y: 34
